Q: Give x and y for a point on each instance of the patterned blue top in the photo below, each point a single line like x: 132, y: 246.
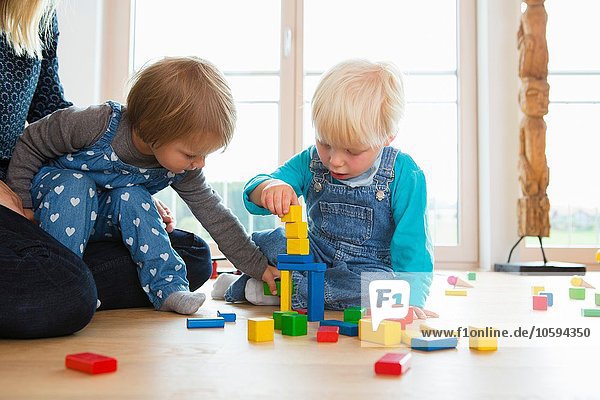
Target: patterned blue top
x: 30, y: 90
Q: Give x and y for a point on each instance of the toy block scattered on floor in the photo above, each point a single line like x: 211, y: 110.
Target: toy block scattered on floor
x: 346, y: 328
x: 294, y: 324
x: 536, y: 289
x: 388, y: 333
x: 456, y: 292
x: 228, y: 317
x: 577, y: 293
x: 354, y: 314
x: 579, y: 282
x: 400, y: 321
x: 91, y: 363
x: 393, y: 364
x: 433, y: 343
x: 277, y: 317
x: 550, y: 297
x: 298, y: 246
x: 471, y: 276
x: 267, y: 290
x: 285, y: 290
x: 429, y: 328
x: 296, y: 230
x: 295, y: 258
x: 294, y: 215
x: 597, y: 299
x: 484, y: 340
x: 457, y: 282
x: 408, y: 335
x: 329, y: 334
x: 193, y: 323
x: 261, y: 329
x: 540, y: 303
x: 590, y: 312
x: 302, y: 311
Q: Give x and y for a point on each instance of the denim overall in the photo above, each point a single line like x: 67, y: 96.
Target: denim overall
x: 92, y: 195
x: 350, y: 229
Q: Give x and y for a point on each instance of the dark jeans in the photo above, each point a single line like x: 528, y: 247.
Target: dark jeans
x: 48, y: 291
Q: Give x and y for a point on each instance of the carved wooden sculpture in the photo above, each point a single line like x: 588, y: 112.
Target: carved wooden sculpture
x: 533, y: 206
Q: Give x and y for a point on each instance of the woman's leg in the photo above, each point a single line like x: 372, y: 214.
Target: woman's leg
x: 47, y: 290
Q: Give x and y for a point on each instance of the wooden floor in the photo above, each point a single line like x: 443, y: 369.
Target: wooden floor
x: 159, y: 358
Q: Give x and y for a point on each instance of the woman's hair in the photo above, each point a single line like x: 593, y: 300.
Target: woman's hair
x: 181, y: 98
x: 358, y: 102
x: 26, y: 24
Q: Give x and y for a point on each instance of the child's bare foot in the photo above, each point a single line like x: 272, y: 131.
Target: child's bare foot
x: 183, y: 302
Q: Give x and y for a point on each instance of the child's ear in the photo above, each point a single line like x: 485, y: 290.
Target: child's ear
x: 390, y: 139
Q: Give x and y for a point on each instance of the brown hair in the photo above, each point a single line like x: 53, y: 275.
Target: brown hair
x: 179, y: 96
x: 26, y: 24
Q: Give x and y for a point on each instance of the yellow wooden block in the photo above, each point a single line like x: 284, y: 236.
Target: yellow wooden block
x: 295, y: 214
x: 456, y: 292
x: 261, y: 329
x: 298, y: 246
x: 388, y: 333
x: 296, y: 230
x: 285, y: 290
x: 535, y: 290
x: 408, y: 335
x: 483, y: 341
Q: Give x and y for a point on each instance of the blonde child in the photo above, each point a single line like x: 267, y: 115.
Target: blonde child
x: 365, y: 201
x: 89, y: 174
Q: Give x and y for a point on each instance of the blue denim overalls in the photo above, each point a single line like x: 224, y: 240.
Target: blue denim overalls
x: 350, y: 229
x: 92, y: 195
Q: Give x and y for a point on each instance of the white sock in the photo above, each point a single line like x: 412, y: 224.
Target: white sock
x: 183, y: 302
x: 222, y: 284
x: 255, y: 294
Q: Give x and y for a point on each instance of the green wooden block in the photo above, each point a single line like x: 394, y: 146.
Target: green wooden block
x: 577, y: 293
x: 354, y: 314
x: 277, y: 317
x: 598, y: 299
x: 590, y: 312
x: 471, y: 276
x: 267, y: 291
x: 294, y: 324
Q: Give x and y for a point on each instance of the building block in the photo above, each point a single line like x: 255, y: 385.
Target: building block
x: 277, y: 317
x: 302, y: 311
x: 540, y: 303
x: 393, y: 364
x: 456, y: 292
x: 346, y: 328
x: 285, y: 290
x: 354, y: 314
x: 261, y: 329
x: 455, y: 281
x: 267, y: 290
x: 536, y: 289
x: 316, y: 296
x: 409, y: 335
x: 295, y: 258
x: 471, y: 276
x: 228, y: 317
x: 294, y: 215
x: 433, y: 343
x: 483, y: 340
x: 400, y: 321
x: 296, y: 230
x: 598, y: 256
x: 577, y: 293
x: 298, y: 246
x: 329, y: 334
x: 550, y: 297
x: 315, y: 267
x: 294, y: 324
x: 388, y: 333
x: 590, y: 312
x: 193, y: 323
x: 597, y: 299
x: 91, y: 363
x: 425, y: 327
x: 579, y: 282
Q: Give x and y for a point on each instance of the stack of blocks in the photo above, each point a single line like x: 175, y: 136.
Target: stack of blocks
x: 298, y: 259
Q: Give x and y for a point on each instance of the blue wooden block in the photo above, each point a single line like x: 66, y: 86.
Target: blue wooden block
x: 295, y: 258
x: 550, y: 297
x: 346, y: 328
x: 317, y: 267
x: 193, y: 323
x: 433, y: 343
x: 228, y: 317
x: 316, y: 295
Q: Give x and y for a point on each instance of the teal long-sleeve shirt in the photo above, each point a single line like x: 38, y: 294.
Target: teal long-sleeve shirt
x: 411, y: 246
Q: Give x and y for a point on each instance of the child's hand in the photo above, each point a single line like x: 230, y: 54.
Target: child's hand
x: 269, y: 276
x: 167, y: 216
x: 277, y: 196
x: 10, y: 200
x: 421, y: 313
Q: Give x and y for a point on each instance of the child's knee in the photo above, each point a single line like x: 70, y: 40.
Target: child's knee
x: 132, y: 198
x: 70, y: 185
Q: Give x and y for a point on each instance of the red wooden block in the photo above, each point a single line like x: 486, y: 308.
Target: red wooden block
x: 303, y: 311
x: 393, y: 364
x: 540, y: 303
x: 91, y: 363
x: 328, y: 334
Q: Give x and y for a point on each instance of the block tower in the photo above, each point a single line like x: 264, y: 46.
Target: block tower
x: 299, y: 259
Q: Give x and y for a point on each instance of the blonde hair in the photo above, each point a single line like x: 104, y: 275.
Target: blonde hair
x: 26, y: 24
x: 358, y: 102
x: 179, y: 96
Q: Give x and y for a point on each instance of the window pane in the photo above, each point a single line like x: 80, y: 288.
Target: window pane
x: 574, y: 88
